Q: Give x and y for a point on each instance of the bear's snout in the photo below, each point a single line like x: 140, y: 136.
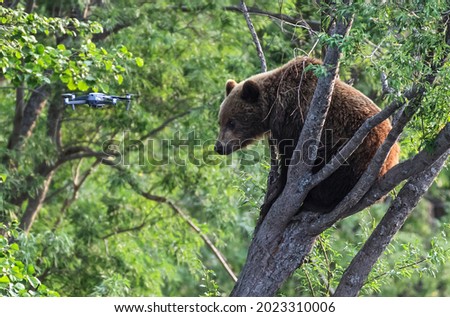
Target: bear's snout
x: 225, y: 149
x: 219, y: 148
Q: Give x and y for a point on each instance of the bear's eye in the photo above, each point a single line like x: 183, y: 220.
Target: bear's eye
x: 231, y: 124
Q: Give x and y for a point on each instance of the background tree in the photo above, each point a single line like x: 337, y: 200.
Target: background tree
x: 118, y: 202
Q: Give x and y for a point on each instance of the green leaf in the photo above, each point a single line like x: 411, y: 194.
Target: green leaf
x: 16, y: 272
x: 65, y: 78
x: 139, y: 62
x: 91, y: 46
x: 108, y: 65
x: 71, y: 85
x: 95, y: 28
x: 119, y: 79
x: 14, y: 247
x: 82, y: 85
x: 61, y: 47
x: 123, y: 49
x: 19, y: 286
x: 5, y: 279
x: 34, y: 282
x: 40, y: 49
x: 30, y: 269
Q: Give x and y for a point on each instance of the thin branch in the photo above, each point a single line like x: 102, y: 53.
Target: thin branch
x: 308, y: 279
x: 55, y: 193
x: 254, y: 36
x: 124, y: 230
x: 154, y: 131
x: 161, y: 199
x: 82, y: 154
x: 77, y: 184
x: 205, y: 238
x: 357, y: 272
x: 355, y: 142
x: 385, y: 89
x: 327, y: 280
x: 406, y: 169
x: 312, y: 26
x: 399, y: 268
x: 116, y: 28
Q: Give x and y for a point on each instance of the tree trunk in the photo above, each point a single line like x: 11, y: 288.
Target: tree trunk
x: 35, y: 204
x: 20, y: 105
x: 24, y: 122
x: 266, y: 269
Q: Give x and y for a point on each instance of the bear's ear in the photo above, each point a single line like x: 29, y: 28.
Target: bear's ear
x: 230, y: 85
x: 250, y: 91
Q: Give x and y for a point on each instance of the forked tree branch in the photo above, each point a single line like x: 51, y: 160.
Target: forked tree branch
x: 77, y: 183
x: 47, y: 171
x: 357, y: 272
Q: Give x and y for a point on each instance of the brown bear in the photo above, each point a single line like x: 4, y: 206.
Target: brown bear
x: 275, y: 103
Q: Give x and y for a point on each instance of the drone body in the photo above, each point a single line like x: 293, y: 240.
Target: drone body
x: 95, y: 100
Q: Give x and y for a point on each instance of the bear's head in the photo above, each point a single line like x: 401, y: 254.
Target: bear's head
x: 242, y: 116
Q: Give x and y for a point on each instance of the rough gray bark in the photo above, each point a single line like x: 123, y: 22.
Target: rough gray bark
x: 267, y: 268
x: 357, y: 272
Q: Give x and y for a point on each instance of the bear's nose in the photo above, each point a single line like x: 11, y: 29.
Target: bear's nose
x: 219, y: 147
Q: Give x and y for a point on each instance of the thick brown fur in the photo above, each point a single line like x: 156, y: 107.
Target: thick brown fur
x: 276, y: 103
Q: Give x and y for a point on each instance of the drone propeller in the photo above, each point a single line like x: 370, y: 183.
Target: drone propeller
x: 126, y: 97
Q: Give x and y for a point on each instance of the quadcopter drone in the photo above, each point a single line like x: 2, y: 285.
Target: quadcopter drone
x: 95, y: 100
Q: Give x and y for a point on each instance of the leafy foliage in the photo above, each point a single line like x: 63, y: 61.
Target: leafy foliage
x: 34, y: 51
x: 17, y: 277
